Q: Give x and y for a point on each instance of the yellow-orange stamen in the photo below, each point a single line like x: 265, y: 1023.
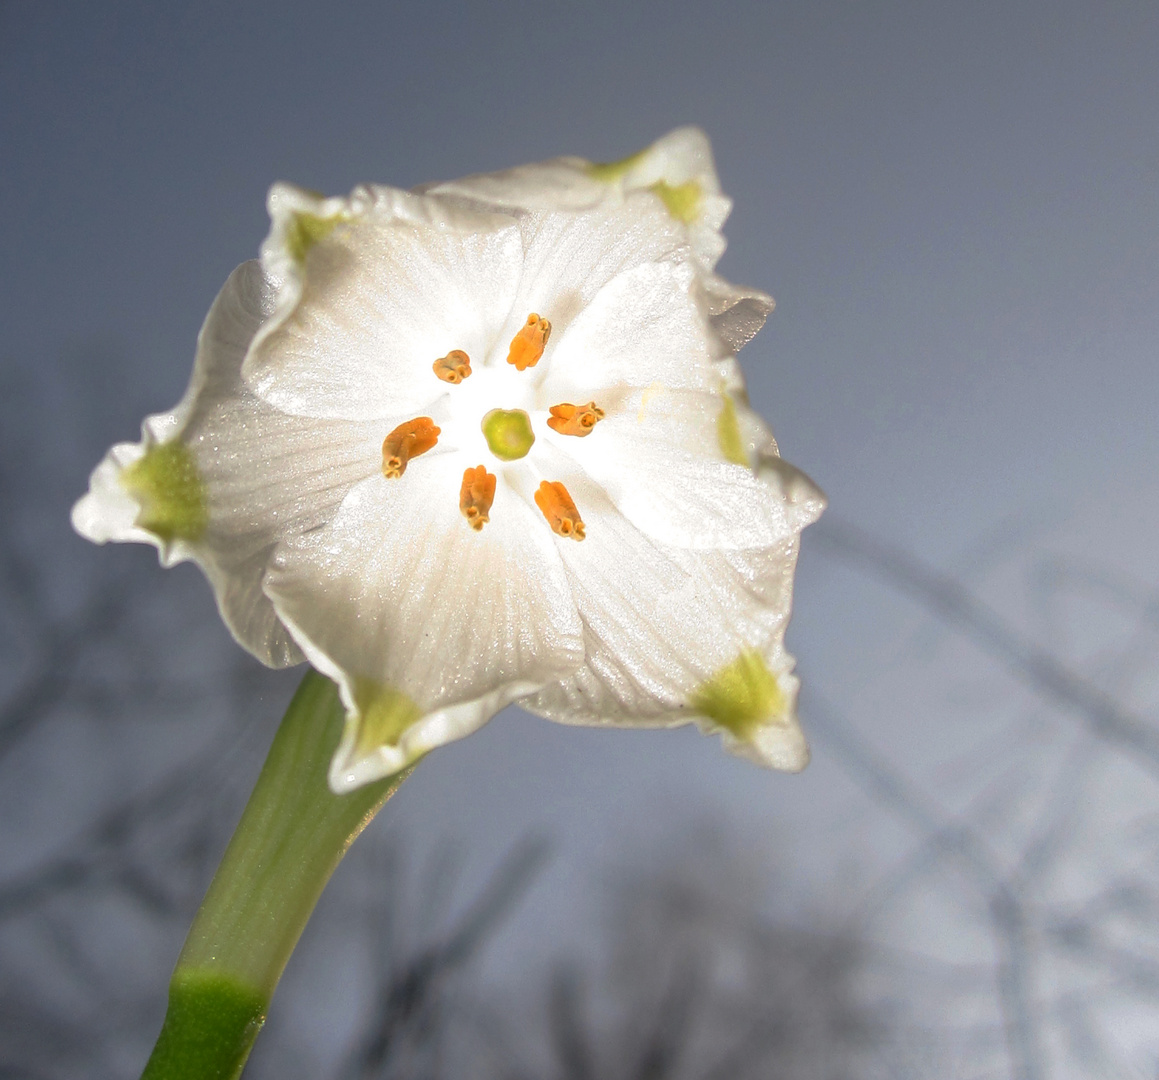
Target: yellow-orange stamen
x: 554, y: 501
x: 575, y: 419
x: 476, y: 496
x: 454, y: 367
x: 527, y: 346
x: 405, y: 442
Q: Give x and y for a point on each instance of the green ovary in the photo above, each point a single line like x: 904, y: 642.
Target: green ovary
x: 508, y: 433
x: 741, y: 696
x: 170, y: 491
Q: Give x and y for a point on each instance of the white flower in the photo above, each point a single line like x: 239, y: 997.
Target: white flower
x: 487, y: 442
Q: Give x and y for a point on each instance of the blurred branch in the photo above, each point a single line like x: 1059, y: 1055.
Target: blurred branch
x: 948, y: 599
x: 1007, y: 914
x: 408, y: 999
x: 104, y: 850
x: 58, y: 650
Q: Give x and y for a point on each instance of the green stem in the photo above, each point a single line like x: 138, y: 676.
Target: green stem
x: 292, y: 835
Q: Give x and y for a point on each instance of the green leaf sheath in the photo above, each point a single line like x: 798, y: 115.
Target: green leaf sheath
x: 292, y: 835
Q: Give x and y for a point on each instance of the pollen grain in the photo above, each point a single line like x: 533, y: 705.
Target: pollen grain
x: 575, y: 419
x: 556, y: 504
x: 454, y: 367
x: 527, y: 346
x: 476, y: 496
x: 405, y: 442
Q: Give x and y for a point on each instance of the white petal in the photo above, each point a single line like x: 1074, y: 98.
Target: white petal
x: 266, y: 474
x: 659, y: 622
x: 107, y: 512
x: 397, y: 282
x: 643, y: 329
x: 233, y: 564
x: 683, y: 157
x: 569, y: 257
x: 680, y: 497
x: 564, y: 183
x: 718, y: 426
x: 247, y: 611
x: 571, y: 183
x: 397, y: 589
x: 804, y: 502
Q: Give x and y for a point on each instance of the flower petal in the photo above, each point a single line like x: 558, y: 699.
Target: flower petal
x: 643, y: 329
x: 264, y: 474
x: 804, y: 501
x: 677, y: 171
x: 268, y: 474
x: 563, y: 183
x: 569, y: 257
x: 681, y: 496
x: 400, y: 601
x: 395, y: 282
x: 663, y: 628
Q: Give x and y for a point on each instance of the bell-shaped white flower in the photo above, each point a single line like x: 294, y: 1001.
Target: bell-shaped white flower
x: 488, y: 442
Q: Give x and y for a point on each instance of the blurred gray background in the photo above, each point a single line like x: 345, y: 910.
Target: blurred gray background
x: 957, y: 209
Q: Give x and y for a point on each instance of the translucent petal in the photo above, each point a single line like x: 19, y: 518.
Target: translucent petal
x: 564, y: 183
x: 737, y: 313
x: 804, y: 502
x: 659, y: 622
x: 643, y: 329
x: 399, y: 591
x: 682, y: 157
x: 396, y: 283
x: 569, y: 257
x: 683, y: 497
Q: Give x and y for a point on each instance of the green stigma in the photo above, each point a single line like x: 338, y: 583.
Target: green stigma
x: 166, y: 483
x: 682, y: 200
x: 741, y: 696
x: 508, y: 433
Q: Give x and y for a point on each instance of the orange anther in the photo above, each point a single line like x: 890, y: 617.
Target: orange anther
x: 405, y: 442
x: 476, y: 496
x: 555, y: 503
x: 527, y: 346
x: 454, y: 367
x: 575, y: 419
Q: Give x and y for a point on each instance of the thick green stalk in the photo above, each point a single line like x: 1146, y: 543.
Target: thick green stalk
x: 292, y: 835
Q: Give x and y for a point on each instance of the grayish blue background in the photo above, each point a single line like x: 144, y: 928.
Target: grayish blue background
x: 956, y: 207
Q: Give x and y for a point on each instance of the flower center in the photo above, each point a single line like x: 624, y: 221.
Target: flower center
x: 508, y: 433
